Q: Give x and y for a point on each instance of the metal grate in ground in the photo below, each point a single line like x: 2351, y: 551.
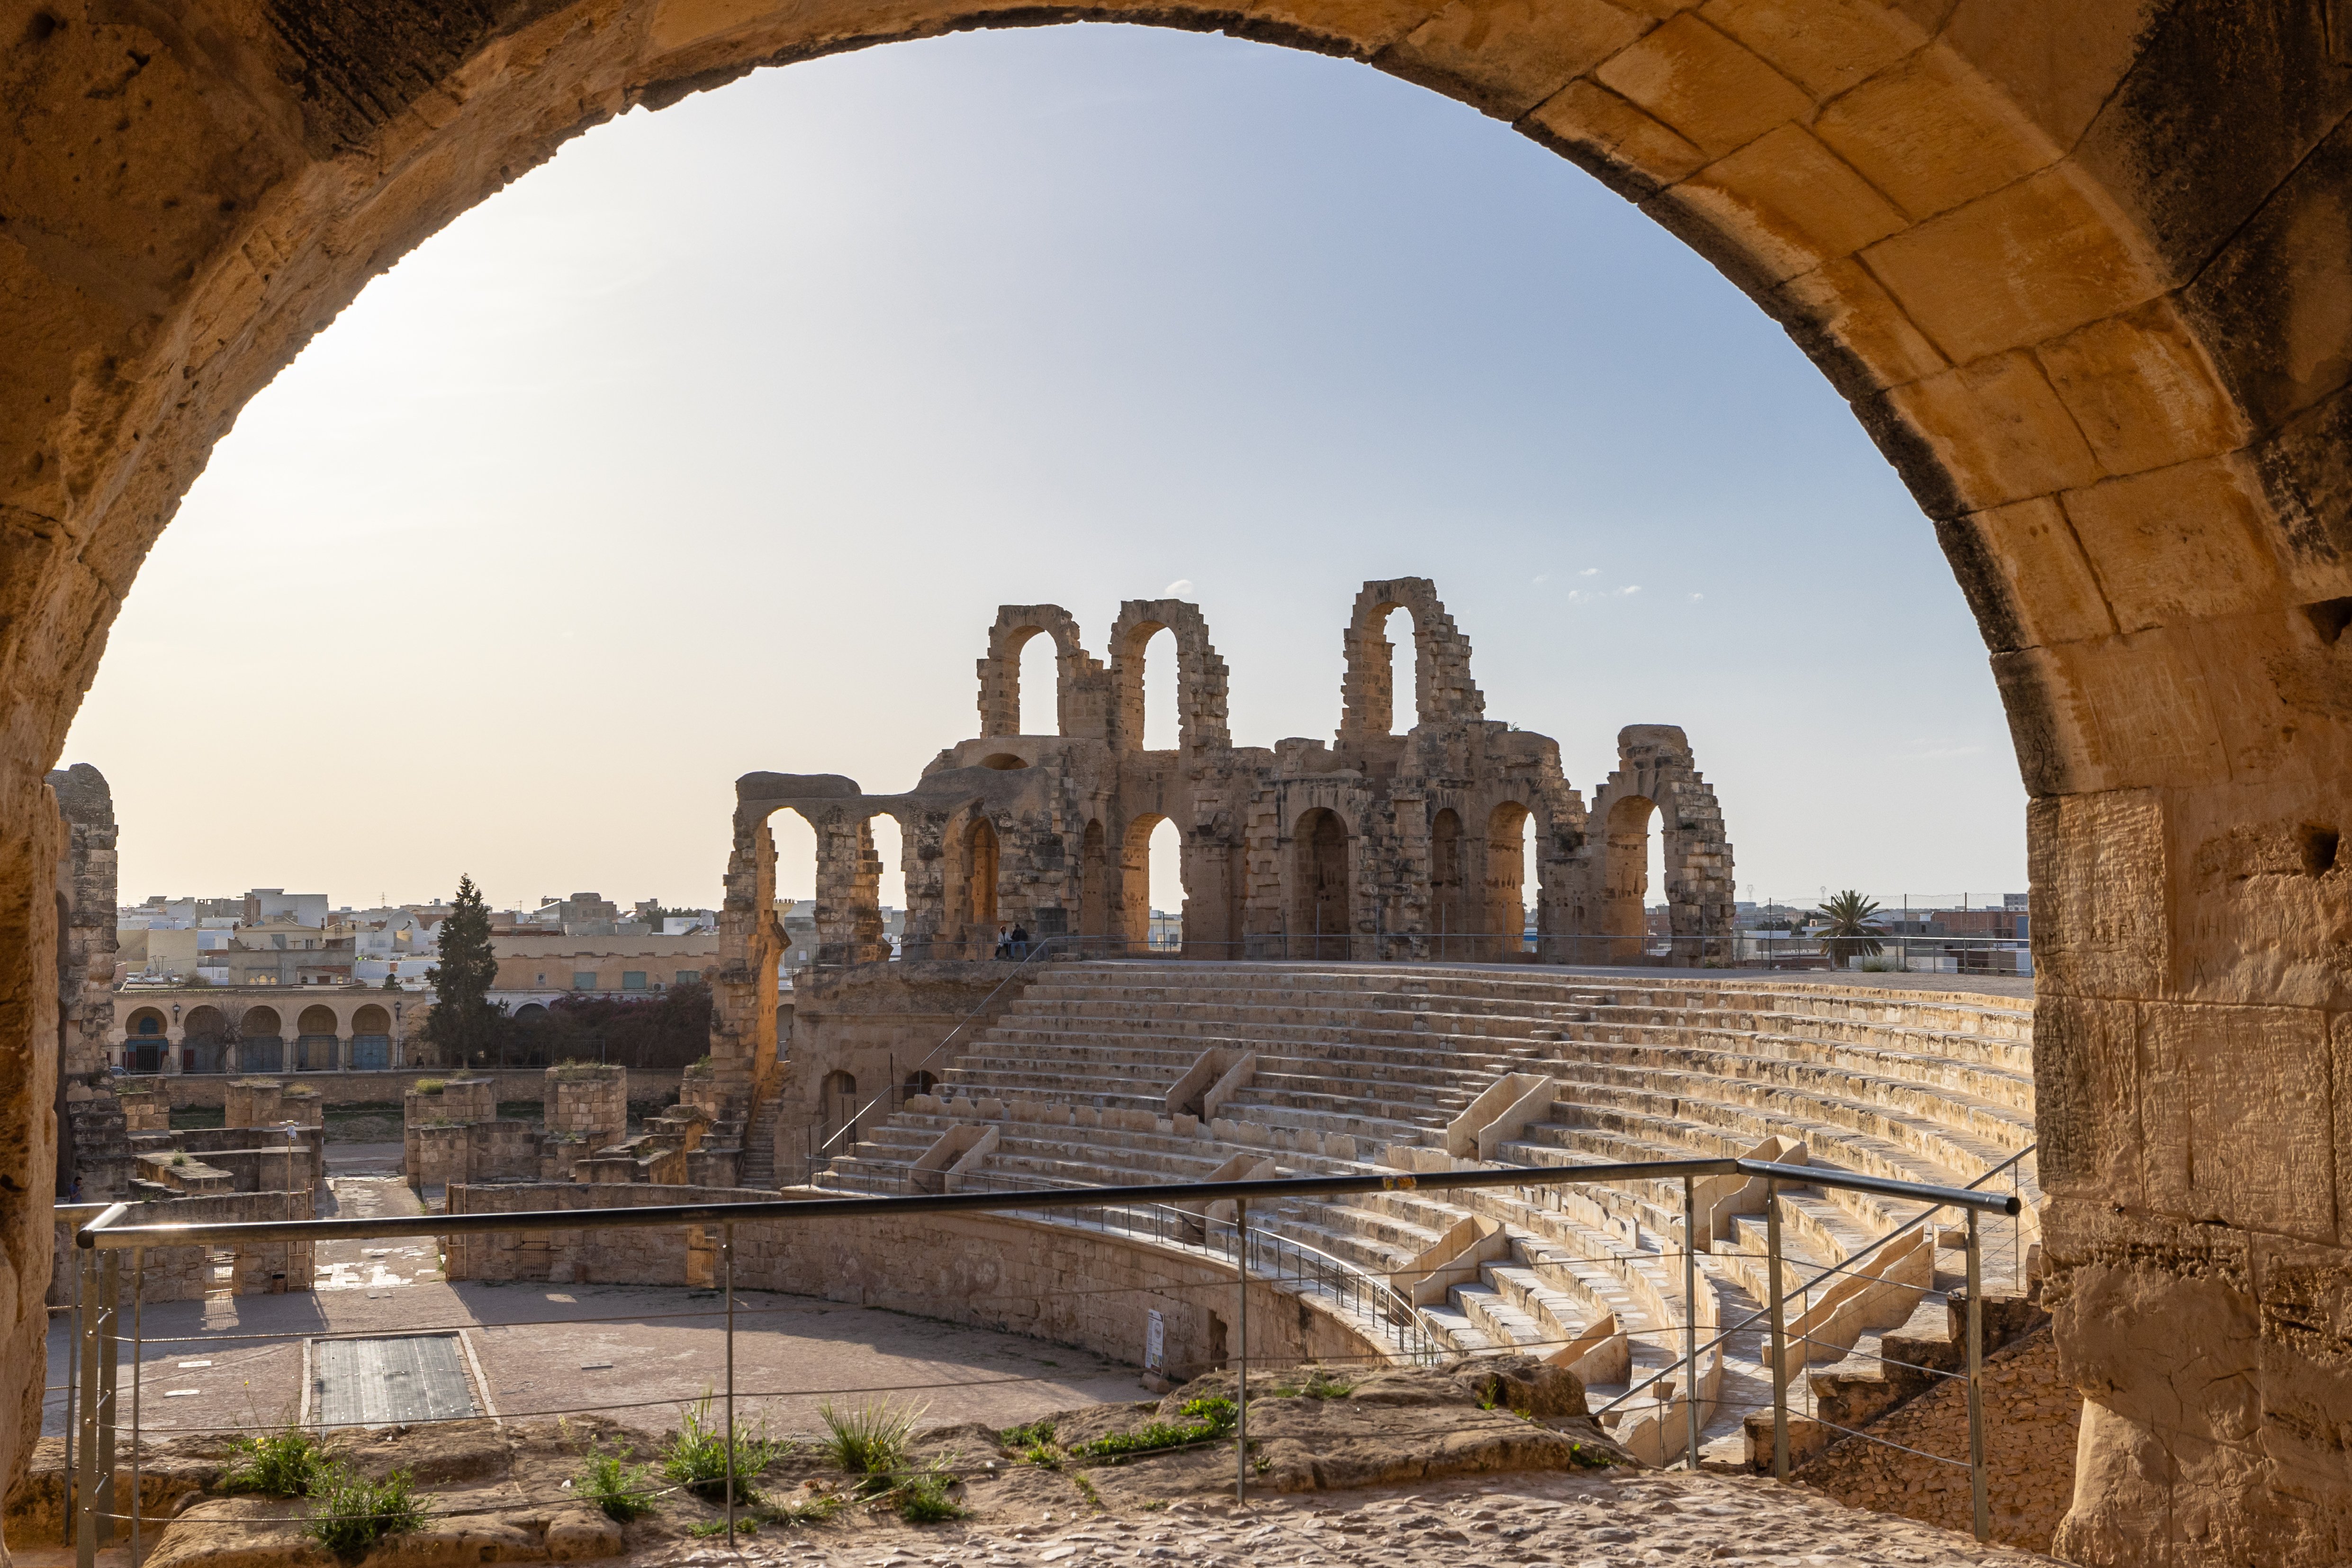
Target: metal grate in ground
x: 388, y: 1380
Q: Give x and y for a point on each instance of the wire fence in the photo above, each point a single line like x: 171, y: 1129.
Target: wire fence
x: 1171, y: 1216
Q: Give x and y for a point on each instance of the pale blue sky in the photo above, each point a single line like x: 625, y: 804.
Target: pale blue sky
x: 713, y: 444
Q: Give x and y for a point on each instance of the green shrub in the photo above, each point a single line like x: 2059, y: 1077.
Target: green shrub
x: 1032, y: 1445
x: 868, y: 1439
x: 278, y: 1463
x: 696, y: 1458
x: 1204, y: 1421
x: 350, y: 1513
x: 744, y: 1525
x: 431, y: 1085
x: 622, y: 1489
x: 923, y: 1500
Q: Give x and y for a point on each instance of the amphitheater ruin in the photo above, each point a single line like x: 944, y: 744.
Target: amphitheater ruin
x: 2082, y: 273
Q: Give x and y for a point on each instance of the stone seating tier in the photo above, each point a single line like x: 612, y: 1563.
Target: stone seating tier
x: 1356, y: 1059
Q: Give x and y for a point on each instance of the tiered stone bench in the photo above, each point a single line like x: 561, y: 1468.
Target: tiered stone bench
x: 1363, y: 1066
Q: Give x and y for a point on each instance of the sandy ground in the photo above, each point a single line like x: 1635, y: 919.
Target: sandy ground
x: 1610, y: 1520
x: 633, y: 1352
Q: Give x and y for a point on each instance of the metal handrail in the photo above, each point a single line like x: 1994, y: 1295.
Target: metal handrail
x: 1840, y: 1266
x: 1396, y: 1310
x: 105, y: 1234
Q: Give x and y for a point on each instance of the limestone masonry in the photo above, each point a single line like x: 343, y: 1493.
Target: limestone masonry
x: 1379, y: 845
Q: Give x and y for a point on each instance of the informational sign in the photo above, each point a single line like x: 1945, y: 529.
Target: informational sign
x: 1155, y: 1343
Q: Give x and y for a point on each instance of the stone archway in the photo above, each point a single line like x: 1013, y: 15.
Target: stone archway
x: 1322, y: 907
x: 2081, y: 270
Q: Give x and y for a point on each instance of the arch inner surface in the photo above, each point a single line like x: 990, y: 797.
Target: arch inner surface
x: 2081, y: 270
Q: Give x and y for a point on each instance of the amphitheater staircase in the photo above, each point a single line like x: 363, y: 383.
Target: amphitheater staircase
x: 759, y: 1166
x: 1360, y: 1068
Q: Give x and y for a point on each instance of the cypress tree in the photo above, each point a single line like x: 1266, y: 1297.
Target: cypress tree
x: 464, y: 1024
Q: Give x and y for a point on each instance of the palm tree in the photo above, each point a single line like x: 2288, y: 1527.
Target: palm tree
x: 1848, y: 934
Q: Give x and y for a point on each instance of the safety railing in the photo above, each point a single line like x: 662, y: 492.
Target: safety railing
x: 94, y: 1414
x: 1780, y: 1296
x: 1364, y: 1298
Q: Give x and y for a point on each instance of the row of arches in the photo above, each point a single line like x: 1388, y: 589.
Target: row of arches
x: 1037, y: 679
x: 210, y: 1037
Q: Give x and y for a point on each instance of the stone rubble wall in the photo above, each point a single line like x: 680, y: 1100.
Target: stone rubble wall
x: 2032, y: 1420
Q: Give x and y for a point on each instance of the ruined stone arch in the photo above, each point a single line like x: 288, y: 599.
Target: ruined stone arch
x: 2079, y: 269
x: 1655, y: 770
x: 1080, y: 687
x: 1201, y: 700
x: 1443, y: 691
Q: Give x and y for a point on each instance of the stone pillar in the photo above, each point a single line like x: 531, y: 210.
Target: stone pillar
x: 848, y: 891
x: 744, y: 990
x: 253, y: 1103
x: 588, y: 1102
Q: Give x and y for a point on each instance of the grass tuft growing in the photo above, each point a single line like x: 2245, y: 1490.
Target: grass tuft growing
x: 622, y: 1489
x: 276, y: 1464
x: 923, y: 1499
x: 696, y: 1458
x: 1204, y: 1421
x: 350, y: 1513
x: 868, y: 1439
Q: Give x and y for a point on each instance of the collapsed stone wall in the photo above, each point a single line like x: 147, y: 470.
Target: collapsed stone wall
x: 1048, y: 1281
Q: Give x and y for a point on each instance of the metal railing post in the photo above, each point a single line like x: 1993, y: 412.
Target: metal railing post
x: 727, y: 1255
x: 1980, y: 1506
x: 96, y: 1527
x: 1780, y: 1329
x: 85, y: 1526
x: 1690, y: 1310
x: 73, y: 1385
x: 138, y: 1362
x: 1241, y: 1315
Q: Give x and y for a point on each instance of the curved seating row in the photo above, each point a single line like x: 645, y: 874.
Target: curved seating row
x: 1358, y: 1067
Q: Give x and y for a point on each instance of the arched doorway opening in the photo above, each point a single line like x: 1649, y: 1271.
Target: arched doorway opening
x: 837, y: 1109
x: 1322, y: 922
x: 1452, y: 931
x: 145, y: 1041
x: 372, y: 1039
x: 204, y: 1043
x: 1163, y: 677
x: 979, y: 893
x: 1625, y: 880
x: 1508, y: 891
x: 1040, y: 682
x: 794, y: 839
x: 317, y: 1042
x: 1151, y: 883
x: 262, y: 1044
